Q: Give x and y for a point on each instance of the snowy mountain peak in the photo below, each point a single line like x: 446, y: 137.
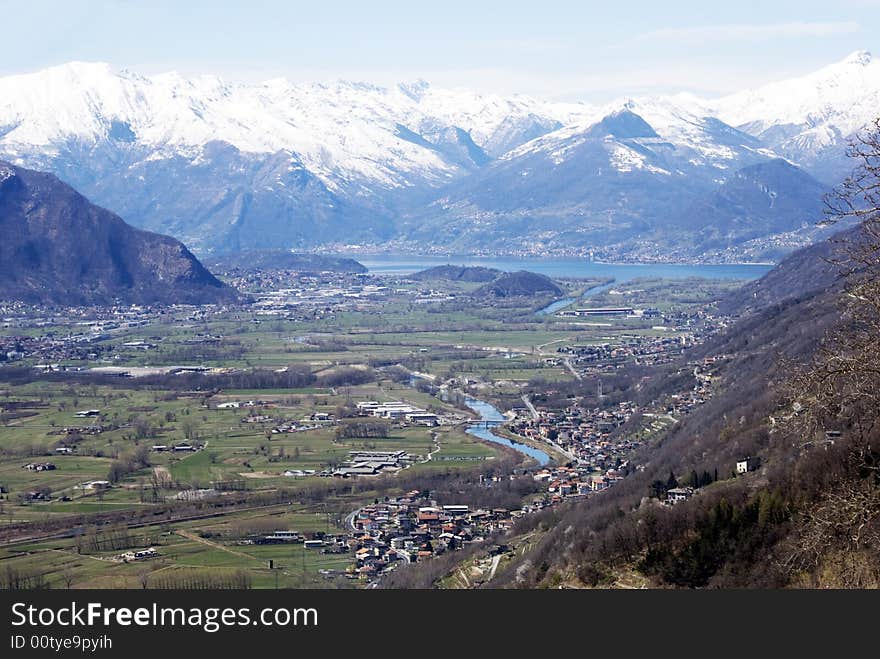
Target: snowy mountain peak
x: 623, y: 123
x: 859, y: 57
x: 346, y: 133
x: 415, y: 90
x: 845, y: 90
x: 802, y: 117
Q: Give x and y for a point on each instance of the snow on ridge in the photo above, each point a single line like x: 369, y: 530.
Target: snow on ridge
x: 844, y: 96
x: 342, y: 126
x: 347, y: 132
x: 675, y: 119
x: 342, y: 131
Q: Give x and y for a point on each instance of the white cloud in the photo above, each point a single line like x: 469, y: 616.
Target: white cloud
x: 600, y: 85
x: 591, y: 83
x: 750, y: 31
x: 538, y: 45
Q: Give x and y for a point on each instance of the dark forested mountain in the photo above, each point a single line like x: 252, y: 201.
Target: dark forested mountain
x: 458, y: 273
x: 279, y: 259
x: 58, y: 248
x: 519, y: 284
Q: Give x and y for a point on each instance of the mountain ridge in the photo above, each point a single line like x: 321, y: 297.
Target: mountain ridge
x: 299, y: 165
x: 58, y: 248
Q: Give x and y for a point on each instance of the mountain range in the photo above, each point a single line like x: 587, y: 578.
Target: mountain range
x: 227, y: 166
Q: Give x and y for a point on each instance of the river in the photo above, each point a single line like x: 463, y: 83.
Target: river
x: 488, y: 412
x: 553, y: 307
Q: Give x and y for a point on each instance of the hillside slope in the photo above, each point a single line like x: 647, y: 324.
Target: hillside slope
x: 785, y: 524
x: 810, y: 271
x: 279, y: 259
x: 58, y: 248
x: 519, y: 284
x: 457, y: 273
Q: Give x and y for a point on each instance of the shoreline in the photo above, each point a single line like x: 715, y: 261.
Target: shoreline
x: 547, y: 257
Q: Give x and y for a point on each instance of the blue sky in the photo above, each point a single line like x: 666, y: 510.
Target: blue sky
x: 567, y: 50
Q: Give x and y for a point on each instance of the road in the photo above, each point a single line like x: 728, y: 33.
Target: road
x: 534, y: 412
x: 571, y: 368
x: 349, y: 519
x: 537, y: 417
x: 668, y: 417
x: 214, y: 545
x: 541, y: 347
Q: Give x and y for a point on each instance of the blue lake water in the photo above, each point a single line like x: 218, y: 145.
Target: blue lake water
x: 571, y: 267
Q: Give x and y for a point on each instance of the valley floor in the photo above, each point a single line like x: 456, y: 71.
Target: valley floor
x: 216, y: 447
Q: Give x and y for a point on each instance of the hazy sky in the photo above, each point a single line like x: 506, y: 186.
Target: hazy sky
x: 572, y: 50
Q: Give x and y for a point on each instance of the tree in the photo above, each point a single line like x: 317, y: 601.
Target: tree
x: 843, y: 380
x: 658, y: 489
x: 840, y: 386
x: 144, y: 578
x: 189, y: 428
x: 142, y: 427
x: 67, y: 577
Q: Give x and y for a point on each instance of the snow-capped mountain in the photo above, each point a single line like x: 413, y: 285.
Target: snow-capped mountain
x: 613, y: 182
x: 341, y: 131
x: 225, y: 166
x: 810, y: 119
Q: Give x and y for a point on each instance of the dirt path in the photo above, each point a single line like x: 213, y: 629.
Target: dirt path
x: 541, y: 347
x: 100, y: 559
x: 196, y: 538
x: 571, y: 368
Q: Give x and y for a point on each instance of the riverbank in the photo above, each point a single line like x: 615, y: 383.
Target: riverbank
x: 552, y: 452
x: 488, y: 413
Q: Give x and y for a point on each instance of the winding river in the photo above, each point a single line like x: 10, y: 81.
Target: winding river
x: 488, y: 412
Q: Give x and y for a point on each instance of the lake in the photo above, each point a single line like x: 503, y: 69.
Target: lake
x: 570, y: 267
